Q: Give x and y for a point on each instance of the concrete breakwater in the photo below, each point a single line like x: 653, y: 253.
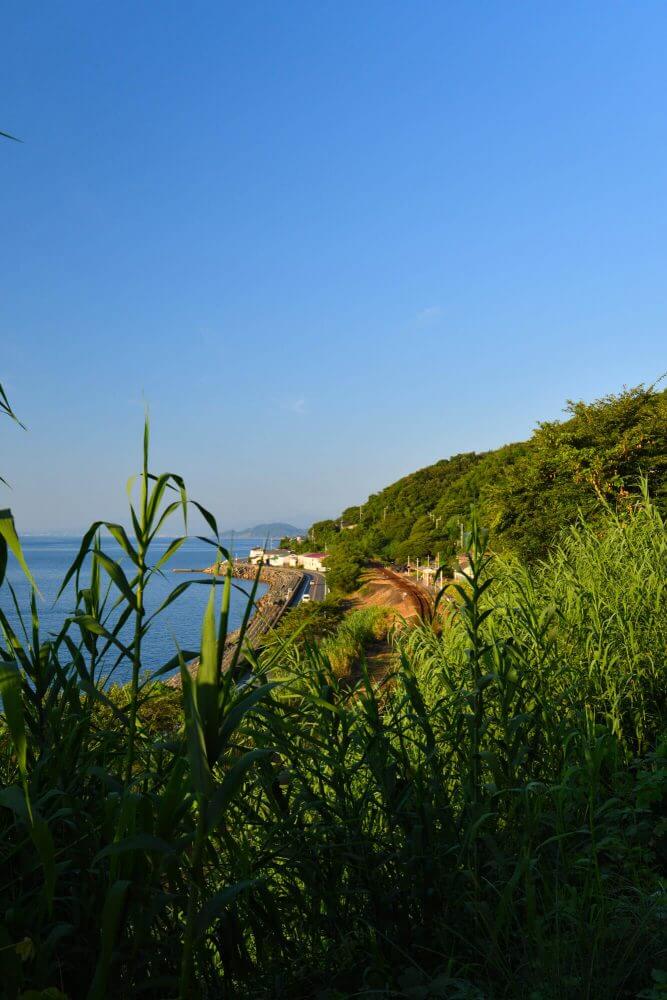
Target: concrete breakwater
x: 284, y: 586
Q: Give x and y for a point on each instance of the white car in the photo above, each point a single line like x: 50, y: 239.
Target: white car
x: 306, y: 597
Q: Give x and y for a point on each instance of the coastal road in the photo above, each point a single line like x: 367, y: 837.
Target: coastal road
x: 299, y: 591
x: 318, y: 587
x: 314, y: 584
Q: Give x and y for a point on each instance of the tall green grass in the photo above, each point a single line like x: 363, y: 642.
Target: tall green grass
x: 331, y: 631
x: 361, y: 628
x: 487, y: 822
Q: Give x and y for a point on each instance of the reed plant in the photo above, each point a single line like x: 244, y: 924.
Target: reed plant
x: 361, y: 628
x: 487, y: 821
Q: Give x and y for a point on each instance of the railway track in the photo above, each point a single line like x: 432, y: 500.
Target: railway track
x: 421, y: 598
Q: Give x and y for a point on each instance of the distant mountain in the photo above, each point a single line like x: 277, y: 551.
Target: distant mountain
x: 274, y: 529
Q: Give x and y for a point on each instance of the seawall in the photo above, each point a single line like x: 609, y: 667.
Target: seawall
x: 283, y: 585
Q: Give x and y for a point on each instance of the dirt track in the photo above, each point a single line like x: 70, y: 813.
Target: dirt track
x: 384, y: 586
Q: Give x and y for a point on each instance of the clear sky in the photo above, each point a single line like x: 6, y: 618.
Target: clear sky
x: 327, y: 243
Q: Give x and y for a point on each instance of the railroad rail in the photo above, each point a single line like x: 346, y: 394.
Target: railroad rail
x: 421, y: 597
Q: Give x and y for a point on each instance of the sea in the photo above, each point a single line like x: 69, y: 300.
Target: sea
x: 179, y: 625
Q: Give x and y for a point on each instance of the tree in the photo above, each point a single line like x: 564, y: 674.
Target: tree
x: 344, y: 565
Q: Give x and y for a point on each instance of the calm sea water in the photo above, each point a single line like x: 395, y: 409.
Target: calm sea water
x: 50, y: 557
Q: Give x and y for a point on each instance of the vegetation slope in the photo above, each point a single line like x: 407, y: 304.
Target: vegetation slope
x: 525, y: 493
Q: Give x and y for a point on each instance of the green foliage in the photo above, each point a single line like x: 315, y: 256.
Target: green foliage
x: 594, y: 459
x: 160, y: 712
x: 489, y: 822
x: 345, y: 649
x: 525, y: 493
x: 328, y: 629
x: 105, y: 827
x: 345, y: 563
x: 308, y: 623
x: 321, y: 533
x: 344, y: 572
x: 9, y: 541
x: 319, y: 536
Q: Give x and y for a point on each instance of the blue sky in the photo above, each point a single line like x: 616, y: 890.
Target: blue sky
x: 327, y: 243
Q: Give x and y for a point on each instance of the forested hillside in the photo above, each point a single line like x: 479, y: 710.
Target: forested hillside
x: 525, y: 492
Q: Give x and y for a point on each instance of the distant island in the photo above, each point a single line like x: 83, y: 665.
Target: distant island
x: 274, y: 529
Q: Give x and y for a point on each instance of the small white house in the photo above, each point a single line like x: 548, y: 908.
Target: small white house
x: 277, y: 557
x: 313, y: 561
x: 282, y: 558
x: 272, y: 557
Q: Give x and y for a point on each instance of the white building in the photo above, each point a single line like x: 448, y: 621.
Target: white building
x: 313, y: 561
x: 281, y: 558
x: 272, y: 557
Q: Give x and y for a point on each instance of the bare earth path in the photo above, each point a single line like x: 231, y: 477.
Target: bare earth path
x: 386, y: 588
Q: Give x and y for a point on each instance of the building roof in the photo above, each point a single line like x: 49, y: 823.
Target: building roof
x: 314, y: 555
